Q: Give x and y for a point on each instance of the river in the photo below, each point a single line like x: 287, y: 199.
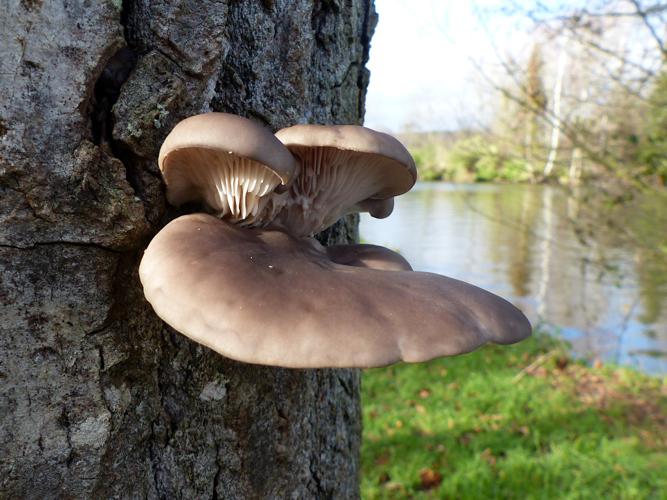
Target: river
x: 606, y: 297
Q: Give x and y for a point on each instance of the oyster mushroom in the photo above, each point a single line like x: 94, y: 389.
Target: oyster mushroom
x: 268, y: 297
x: 344, y: 169
x: 272, y: 294
x: 231, y: 164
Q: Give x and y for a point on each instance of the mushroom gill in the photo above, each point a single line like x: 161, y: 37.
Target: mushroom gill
x: 233, y: 187
x: 230, y: 163
x: 331, y: 183
x: 343, y: 169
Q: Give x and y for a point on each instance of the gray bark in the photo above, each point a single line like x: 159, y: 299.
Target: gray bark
x: 98, y: 398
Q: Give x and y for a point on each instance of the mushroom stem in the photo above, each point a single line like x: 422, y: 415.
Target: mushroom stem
x: 378, y: 209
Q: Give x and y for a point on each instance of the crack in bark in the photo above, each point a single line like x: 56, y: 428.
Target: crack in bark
x: 339, y: 84
x: 218, y: 472
x: 152, y: 455
x: 25, y: 192
x: 106, y: 92
x: 368, y: 27
x: 346, y: 386
x: 37, y: 244
x: 64, y: 421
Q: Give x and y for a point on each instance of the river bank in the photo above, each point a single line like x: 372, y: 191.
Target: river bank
x: 600, y: 285
x: 522, y: 420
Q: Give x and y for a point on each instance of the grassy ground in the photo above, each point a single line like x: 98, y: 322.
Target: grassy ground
x: 521, y: 421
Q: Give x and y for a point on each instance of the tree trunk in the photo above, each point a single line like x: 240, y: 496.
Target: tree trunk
x: 98, y: 398
x: 557, y: 114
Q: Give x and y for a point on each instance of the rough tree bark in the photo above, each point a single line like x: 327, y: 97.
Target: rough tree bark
x: 98, y: 399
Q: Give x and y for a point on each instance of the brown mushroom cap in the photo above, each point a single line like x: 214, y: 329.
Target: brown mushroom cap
x: 231, y: 163
x: 342, y: 166
x: 264, y: 296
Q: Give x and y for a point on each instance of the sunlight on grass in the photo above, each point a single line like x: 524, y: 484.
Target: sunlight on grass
x: 513, y: 422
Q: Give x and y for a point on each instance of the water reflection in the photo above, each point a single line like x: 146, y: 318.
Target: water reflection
x: 607, y: 297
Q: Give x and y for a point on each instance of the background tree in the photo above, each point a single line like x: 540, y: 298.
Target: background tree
x: 98, y: 399
x: 536, y: 98
x: 613, y: 53
x: 653, y: 149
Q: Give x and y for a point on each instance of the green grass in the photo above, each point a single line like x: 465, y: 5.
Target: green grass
x: 519, y: 421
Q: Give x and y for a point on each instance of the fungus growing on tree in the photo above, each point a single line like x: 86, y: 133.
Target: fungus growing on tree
x: 230, y: 163
x: 344, y: 168
x: 273, y: 295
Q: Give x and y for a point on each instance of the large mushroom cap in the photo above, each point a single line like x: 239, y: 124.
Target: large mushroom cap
x: 231, y: 163
x: 344, y: 168
x: 263, y: 296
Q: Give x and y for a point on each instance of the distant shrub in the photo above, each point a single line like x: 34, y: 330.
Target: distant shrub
x: 429, y: 155
x: 486, y: 168
x: 517, y: 170
x: 472, y: 158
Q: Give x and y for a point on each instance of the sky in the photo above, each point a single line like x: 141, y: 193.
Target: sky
x: 431, y: 60
x: 420, y: 63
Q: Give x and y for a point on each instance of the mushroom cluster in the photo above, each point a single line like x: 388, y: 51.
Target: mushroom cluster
x: 249, y: 281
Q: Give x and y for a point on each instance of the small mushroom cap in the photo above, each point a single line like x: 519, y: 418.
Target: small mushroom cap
x: 399, y: 172
x: 230, y: 163
x: 264, y: 296
x: 224, y: 134
x: 344, y: 169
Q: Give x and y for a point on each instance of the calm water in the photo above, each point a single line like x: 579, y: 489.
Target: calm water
x: 607, y: 297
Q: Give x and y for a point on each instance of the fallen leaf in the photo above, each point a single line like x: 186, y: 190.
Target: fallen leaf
x: 384, y: 478
x: 562, y: 362
x: 424, y: 393
x: 524, y: 430
x: 393, y: 486
x: 487, y: 456
x: 429, y: 479
x: 485, y: 417
x: 465, y: 438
